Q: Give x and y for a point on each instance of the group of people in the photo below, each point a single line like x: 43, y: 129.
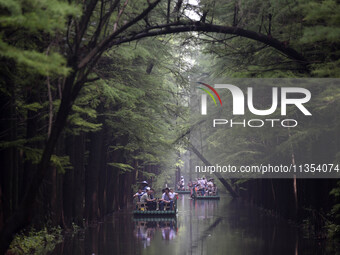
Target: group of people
x: 181, y: 184
x: 204, y: 187
x: 145, y: 195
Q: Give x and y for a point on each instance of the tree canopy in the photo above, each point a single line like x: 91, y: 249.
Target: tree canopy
x: 97, y: 95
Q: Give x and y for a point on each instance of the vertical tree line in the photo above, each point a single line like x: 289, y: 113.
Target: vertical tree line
x: 88, y: 108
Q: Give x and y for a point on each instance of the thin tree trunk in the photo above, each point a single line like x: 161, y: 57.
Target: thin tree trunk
x: 294, y: 176
x: 50, y: 101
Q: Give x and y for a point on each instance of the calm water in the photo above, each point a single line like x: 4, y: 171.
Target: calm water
x: 202, y: 227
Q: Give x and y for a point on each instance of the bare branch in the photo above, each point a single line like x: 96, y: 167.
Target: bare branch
x: 168, y: 12
x: 103, y: 45
x: 177, y: 8
x: 119, y: 15
x: 85, y: 21
x: 103, y: 21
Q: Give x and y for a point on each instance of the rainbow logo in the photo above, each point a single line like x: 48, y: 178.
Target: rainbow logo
x: 209, y: 93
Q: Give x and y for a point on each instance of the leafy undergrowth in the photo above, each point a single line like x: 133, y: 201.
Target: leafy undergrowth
x: 35, y: 242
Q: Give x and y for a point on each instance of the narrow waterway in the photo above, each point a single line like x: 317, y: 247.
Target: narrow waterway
x: 201, y: 227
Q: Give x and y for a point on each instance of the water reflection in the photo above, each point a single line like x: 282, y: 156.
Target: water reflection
x: 203, y: 209
x: 146, y: 228
x: 201, y: 227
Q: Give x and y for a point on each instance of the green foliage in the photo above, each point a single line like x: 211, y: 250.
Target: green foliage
x: 141, y: 109
x: 336, y: 191
x: 60, y: 162
x: 227, y: 56
x: 334, y: 226
x: 141, y: 101
x: 34, y: 154
x: 311, y: 28
x: 33, y: 107
x: 36, y: 242
x: 35, y: 19
x: 122, y: 167
x: 321, y: 35
x: 239, y: 57
x: 43, y: 64
x: 34, y: 16
x: 84, y: 114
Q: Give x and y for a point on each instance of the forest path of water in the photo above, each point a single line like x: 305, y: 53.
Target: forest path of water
x: 201, y: 227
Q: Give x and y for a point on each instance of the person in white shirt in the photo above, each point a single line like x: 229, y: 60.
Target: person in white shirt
x: 139, y: 194
x: 166, y: 199
x: 172, y: 194
x: 200, y: 187
x: 182, y: 183
x: 204, y: 182
x: 210, y: 187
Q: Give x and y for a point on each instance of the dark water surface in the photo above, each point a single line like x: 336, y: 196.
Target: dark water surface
x: 202, y: 227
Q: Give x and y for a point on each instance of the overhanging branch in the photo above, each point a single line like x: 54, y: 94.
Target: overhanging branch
x: 181, y: 27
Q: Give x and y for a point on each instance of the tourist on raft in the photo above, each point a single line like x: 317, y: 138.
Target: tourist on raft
x: 166, y: 199
x: 144, y: 186
x: 172, y: 194
x: 181, y: 184
x: 139, y: 194
x: 148, y: 198
x: 205, y: 188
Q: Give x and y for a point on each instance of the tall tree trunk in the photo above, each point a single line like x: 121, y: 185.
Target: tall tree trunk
x: 79, y: 179
x: 22, y: 215
x: 9, y: 156
x: 102, y: 172
x: 92, y: 176
x: 68, y: 182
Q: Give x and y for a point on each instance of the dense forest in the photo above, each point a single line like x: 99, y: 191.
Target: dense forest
x: 98, y: 95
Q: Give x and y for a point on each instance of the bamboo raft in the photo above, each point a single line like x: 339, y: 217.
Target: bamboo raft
x: 155, y: 213
x: 211, y: 197
x: 141, y: 210
x: 182, y: 191
x: 153, y: 219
